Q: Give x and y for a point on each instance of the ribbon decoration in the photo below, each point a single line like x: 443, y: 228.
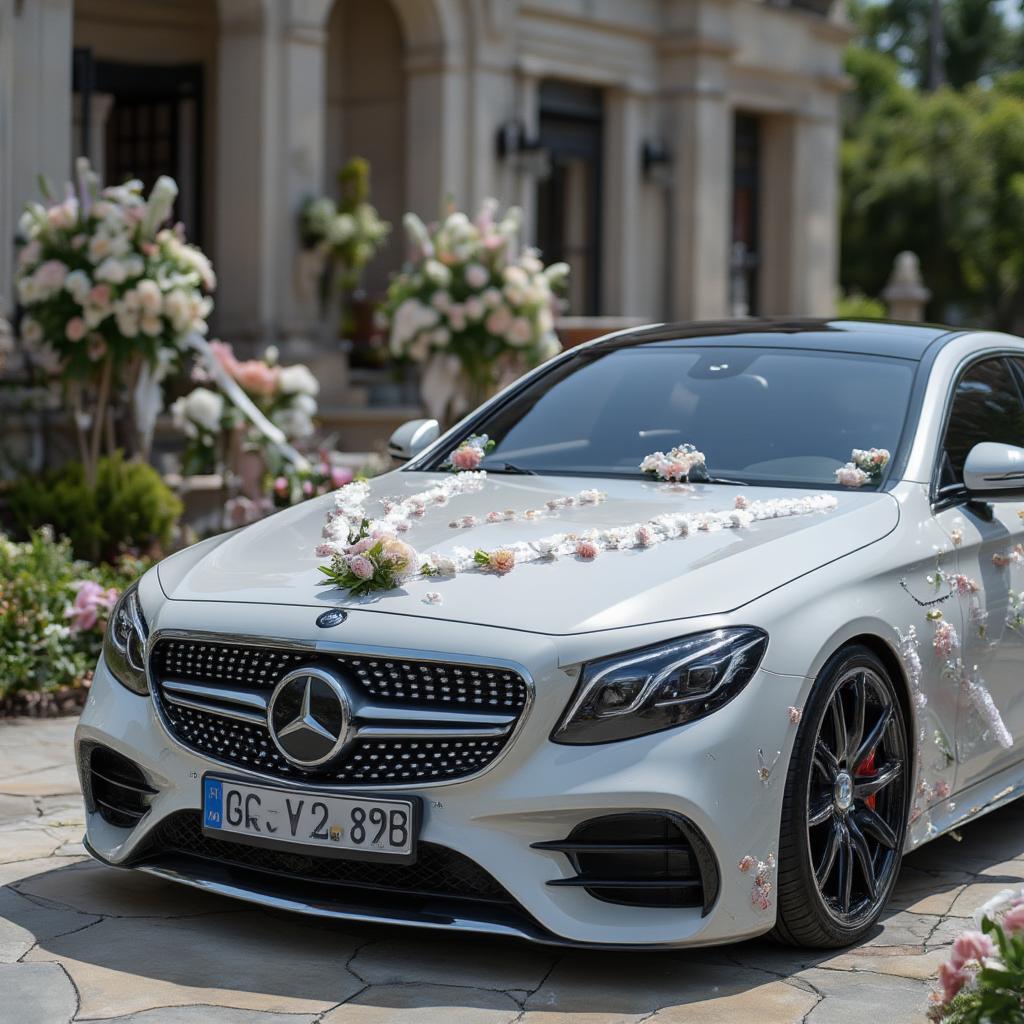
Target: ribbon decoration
x: 242, y: 401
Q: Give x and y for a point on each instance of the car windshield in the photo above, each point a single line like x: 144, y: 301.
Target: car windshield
x: 760, y: 415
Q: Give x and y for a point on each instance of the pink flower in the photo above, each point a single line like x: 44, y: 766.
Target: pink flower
x: 361, y: 546
x: 467, y: 521
x: 466, y: 457
x: 75, y: 329
x: 971, y: 946
x: 99, y: 295
x: 941, y: 790
x: 494, y: 517
x: 851, y: 476
x: 432, y: 597
x: 90, y: 600
x: 307, y: 488
x: 324, y: 550
x: 586, y: 549
x: 746, y: 863
x: 256, y: 377
x: 964, y: 585
x: 281, y: 485
x: 644, y: 537
x: 1013, y: 922
x: 952, y: 979
x: 945, y: 640
x: 742, y: 502
x: 340, y: 475
x: 361, y: 567
x: 795, y: 714
x: 502, y: 560
x: 401, y: 556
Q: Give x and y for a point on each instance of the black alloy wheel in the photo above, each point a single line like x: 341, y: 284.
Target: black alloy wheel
x: 845, y: 808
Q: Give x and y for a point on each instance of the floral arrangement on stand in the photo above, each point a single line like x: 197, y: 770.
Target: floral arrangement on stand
x: 112, y: 292
x: 472, y: 306
x: 216, y: 430
x: 983, y: 980
x: 343, y: 237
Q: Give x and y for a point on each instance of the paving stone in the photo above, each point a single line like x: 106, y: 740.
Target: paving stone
x: 852, y: 997
x: 20, y: 870
x: 426, y: 1004
x: 973, y: 896
x: 53, y: 781
x: 207, y: 1015
x: 125, y: 965
x: 946, y: 932
x: 96, y: 889
x: 39, y: 994
x: 927, y: 893
x: 623, y: 988
x: 16, y: 809
x: 482, y: 962
x: 23, y: 923
x: 899, y: 961
x: 26, y: 844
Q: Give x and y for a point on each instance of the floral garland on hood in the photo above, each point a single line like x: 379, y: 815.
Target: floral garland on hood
x: 367, y: 554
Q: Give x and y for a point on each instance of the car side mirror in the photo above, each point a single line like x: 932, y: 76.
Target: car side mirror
x: 411, y: 438
x: 995, y: 472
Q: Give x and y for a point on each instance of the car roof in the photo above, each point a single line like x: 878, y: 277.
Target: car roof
x: 866, y: 337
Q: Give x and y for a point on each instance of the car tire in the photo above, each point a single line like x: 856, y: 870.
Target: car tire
x: 844, y: 812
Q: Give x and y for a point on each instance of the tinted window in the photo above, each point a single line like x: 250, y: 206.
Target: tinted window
x: 986, y: 407
x: 759, y: 415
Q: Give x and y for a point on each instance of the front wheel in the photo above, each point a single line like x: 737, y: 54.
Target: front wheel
x: 844, y: 813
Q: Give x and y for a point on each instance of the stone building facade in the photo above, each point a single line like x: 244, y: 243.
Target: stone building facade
x: 682, y: 154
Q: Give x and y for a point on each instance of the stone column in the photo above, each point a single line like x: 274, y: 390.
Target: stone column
x: 701, y: 138
x: 271, y: 99
x: 35, y: 112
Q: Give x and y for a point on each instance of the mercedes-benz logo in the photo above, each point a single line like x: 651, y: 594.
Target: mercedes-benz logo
x: 309, y: 716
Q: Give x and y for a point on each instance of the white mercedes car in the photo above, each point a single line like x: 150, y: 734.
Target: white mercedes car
x: 686, y: 636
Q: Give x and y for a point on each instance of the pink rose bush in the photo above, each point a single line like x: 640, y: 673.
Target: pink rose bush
x: 471, y: 293
x: 864, y: 467
x: 983, y: 979
x: 101, y: 272
x: 91, y: 607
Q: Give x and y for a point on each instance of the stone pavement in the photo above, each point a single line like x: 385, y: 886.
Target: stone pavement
x: 82, y: 942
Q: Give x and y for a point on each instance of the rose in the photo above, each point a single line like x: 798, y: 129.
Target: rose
x: 400, y: 556
x: 361, y: 567
x: 586, y: 549
x: 971, y: 946
x: 502, y: 560
x: 466, y: 457
x: 75, y: 329
x: 298, y: 380
x: 90, y: 600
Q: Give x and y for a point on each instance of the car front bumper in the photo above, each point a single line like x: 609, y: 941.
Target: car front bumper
x: 708, y: 772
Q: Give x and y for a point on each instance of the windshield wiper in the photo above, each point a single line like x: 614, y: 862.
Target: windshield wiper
x: 721, y: 480
x: 511, y: 468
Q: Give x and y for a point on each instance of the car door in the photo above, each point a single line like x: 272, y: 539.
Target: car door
x: 982, y: 574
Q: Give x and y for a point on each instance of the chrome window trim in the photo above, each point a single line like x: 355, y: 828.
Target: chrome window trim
x: 338, y: 647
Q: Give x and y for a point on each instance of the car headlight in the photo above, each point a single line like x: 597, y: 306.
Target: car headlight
x: 660, y: 687
x: 124, y: 642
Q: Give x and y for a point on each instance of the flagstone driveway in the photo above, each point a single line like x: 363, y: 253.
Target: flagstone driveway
x: 79, y: 941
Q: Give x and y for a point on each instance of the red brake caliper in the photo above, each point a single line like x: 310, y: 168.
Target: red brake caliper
x: 867, y: 767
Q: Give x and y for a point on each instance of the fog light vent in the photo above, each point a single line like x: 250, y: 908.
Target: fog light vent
x: 640, y: 859
x: 116, y: 788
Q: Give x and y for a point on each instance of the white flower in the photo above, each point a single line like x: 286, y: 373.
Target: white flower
x: 298, y: 380
x: 519, y: 332
x: 161, y: 201
x: 112, y: 270
x: 31, y: 332
x: 204, y: 408
x: 476, y: 275
x: 996, y: 905
x: 178, y: 310
x: 77, y: 285
x: 438, y: 273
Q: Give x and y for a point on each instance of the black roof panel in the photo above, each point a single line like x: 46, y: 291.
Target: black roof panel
x: 870, y: 337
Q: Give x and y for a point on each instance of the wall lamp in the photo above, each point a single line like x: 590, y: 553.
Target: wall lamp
x: 656, y: 160
x: 521, y: 151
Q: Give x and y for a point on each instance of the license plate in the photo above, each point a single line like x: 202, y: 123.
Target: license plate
x: 340, y: 826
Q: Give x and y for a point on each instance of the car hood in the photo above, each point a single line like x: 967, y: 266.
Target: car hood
x: 274, y: 561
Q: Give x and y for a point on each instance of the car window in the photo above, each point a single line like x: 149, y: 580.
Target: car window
x: 761, y: 415
x: 986, y: 407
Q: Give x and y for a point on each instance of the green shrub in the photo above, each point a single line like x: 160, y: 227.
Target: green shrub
x: 858, y: 306
x: 130, y: 508
x: 43, y: 644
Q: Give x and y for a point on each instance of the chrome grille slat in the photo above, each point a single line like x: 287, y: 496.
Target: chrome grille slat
x: 415, y: 721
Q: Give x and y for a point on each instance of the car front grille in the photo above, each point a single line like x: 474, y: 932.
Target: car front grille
x: 416, y: 721
x: 437, y: 872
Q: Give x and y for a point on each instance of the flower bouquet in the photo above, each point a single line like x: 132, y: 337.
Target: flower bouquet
x: 472, y: 304
x: 864, y: 467
x: 284, y: 394
x: 110, y: 290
